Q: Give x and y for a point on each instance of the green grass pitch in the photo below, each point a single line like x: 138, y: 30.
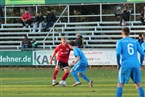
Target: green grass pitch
x: 36, y: 82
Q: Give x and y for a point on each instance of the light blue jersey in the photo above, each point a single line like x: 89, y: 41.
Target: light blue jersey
x: 128, y: 48
x: 79, y: 53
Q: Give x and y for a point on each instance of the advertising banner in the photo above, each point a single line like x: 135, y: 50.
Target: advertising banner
x: 82, y: 1
x: 94, y: 57
x: 50, y: 2
x: 15, y: 58
x: 25, y: 1
x: 2, y: 2
x: 98, y: 57
x: 42, y: 57
x: 13, y: 2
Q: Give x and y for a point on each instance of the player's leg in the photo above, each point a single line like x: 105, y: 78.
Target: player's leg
x: 119, y: 90
x: 66, y: 70
x: 66, y: 73
x: 56, y: 70
x: 75, y: 75
x: 136, y: 77
x: 123, y: 78
x: 86, y: 79
x: 140, y: 89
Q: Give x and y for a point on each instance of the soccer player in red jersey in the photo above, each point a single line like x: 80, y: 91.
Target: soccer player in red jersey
x: 63, y: 51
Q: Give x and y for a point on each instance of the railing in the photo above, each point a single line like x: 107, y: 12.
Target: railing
x: 75, y: 16
x: 53, y: 28
x: 100, y: 14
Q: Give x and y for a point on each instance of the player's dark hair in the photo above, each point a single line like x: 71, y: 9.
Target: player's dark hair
x: 72, y: 43
x: 126, y: 31
x: 140, y: 35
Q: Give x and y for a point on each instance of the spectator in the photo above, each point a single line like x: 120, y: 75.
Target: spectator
x: 143, y: 16
x: 34, y: 43
x: 53, y: 17
x: 140, y: 39
x: 39, y: 20
x: 26, y: 43
x: 124, y: 16
x: 50, y: 20
x: 26, y: 19
x: 79, y: 41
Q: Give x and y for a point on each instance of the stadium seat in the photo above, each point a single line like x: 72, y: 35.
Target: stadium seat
x: 95, y: 34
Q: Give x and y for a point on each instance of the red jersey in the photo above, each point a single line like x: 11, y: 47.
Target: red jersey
x: 26, y: 16
x: 63, y: 52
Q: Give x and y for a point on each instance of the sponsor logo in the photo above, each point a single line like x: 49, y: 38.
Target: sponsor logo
x: 67, y: 49
x: 42, y: 58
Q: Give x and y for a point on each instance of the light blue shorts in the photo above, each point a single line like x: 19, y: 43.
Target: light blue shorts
x: 125, y: 73
x: 79, y: 68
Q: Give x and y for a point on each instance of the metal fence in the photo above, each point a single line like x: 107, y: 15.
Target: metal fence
x: 103, y: 10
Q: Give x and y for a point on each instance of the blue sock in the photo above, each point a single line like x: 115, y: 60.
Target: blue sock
x: 85, y: 77
x: 141, y: 92
x: 119, y: 92
x: 74, y: 74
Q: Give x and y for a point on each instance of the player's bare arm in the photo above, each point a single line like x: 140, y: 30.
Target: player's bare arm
x: 53, y: 55
x: 76, y: 60
x: 142, y: 67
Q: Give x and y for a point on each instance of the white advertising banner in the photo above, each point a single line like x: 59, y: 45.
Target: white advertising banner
x: 98, y: 57
x: 95, y: 57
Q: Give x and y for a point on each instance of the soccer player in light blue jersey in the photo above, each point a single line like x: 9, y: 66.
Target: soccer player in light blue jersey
x: 129, y: 67
x: 79, y: 65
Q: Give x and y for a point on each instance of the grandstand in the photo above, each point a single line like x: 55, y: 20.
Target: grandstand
x: 97, y: 34
x: 27, y: 72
